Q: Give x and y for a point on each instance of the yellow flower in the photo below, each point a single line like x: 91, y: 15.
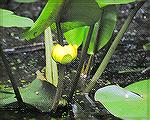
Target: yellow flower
x: 64, y: 54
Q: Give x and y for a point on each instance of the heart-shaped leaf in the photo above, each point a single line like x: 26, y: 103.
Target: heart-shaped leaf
x: 127, y: 103
x: 39, y: 94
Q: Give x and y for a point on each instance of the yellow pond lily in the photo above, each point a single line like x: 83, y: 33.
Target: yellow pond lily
x: 64, y: 54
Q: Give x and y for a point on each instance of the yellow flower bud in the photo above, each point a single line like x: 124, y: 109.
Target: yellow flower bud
x: 64, y: 54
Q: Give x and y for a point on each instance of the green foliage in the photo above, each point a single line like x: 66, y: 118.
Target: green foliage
x: 9, y: 19
x: 84, y: 12
x: 39, y: 94
x: 25, y: 1
x: 103, y: 3
x: 78, y: 35
x: 130, y: 102
x: 46, y: 18
x: 2, y: 1
x: 109, y: 20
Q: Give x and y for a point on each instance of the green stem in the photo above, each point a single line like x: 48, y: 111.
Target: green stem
x: 112, y: 49
x: 81, y: 62
x: 62, y: 69
x: 98, y: 36
x: 48, y: 49
x: 12, y: 79
x: 96, y: 42
x: 59, y: 33
x: 60, y: 87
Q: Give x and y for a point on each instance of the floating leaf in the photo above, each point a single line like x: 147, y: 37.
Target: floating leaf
x: 127, y: 103
x: 39, y: 94
x: 9, y: 19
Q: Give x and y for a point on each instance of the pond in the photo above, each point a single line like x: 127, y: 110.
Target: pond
x: 125, y: 67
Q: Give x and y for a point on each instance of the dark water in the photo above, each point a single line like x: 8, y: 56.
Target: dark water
x: 129, y: 55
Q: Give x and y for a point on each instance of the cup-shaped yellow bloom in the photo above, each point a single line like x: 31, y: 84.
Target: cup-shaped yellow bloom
x: 64, y: 54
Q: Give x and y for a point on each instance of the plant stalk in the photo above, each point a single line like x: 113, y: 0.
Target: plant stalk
x: 12, y: 79
x: 98, y: 36
x: 81, y: 62
x: 48, y: 48
x: 96, y: 42
x: 62, y: 69
x: 59, y: 33
x: 112, y: 48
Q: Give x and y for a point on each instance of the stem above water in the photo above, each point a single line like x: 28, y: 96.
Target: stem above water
x: 112, y: 48
x: 81, y: 62
x: 12, y: 79
x: 62, y: 69
x: 48, y: 49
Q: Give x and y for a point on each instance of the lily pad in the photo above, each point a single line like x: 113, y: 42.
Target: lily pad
x: 127, y: 103
x: 39, y: 94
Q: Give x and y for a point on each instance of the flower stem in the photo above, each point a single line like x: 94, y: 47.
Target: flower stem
x: 62, y: 69
x: 59, y: 33
x: 112, y: 48
x: 96, y: 42
x: 81, y: 62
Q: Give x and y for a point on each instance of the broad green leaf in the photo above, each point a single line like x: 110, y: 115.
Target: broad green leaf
x: 78, y: 35
x: 66, y: 26
x: 83, y: 12
x: 9, y: 19
x: 130, y: 103
x: 86, y: 11
x: 109, y: 20
x: 39, y: 94
x: 46, y: 18
x: 25, y: 1
x: 103, y: 3
x: 4, y: 12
